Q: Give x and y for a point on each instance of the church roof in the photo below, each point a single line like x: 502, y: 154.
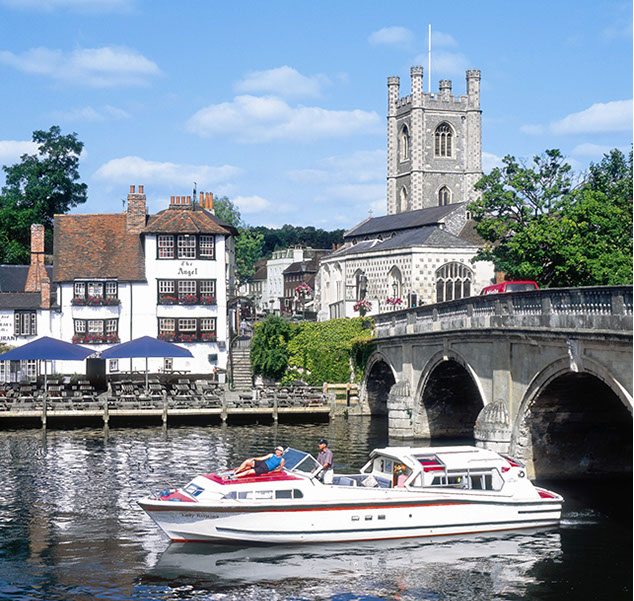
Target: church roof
x: 401, y: 221
x: 427, y: 236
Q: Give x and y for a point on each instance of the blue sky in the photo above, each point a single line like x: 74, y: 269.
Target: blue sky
x: 282, y: 105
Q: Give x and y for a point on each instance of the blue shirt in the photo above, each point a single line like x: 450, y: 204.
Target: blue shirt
x: 273, y: 462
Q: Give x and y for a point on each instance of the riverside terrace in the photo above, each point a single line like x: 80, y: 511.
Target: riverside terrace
x: 184, y: 399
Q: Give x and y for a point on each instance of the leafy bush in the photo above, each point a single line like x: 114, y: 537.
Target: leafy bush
x: 269, y: 347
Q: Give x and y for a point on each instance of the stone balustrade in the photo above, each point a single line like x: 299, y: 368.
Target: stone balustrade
x: 607, y: 308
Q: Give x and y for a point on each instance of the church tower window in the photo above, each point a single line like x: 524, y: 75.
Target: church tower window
x: 443, y: 138
x: 403, y: 203
x: 444, y: 196
x: 404, y: 143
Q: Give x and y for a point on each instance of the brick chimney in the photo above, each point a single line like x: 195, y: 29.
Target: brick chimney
x: 37, y: 271
x: 46, y: 293
x: 136, y: 211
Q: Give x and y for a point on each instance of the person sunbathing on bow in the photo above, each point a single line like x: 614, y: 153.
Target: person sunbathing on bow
x: 256, y: 466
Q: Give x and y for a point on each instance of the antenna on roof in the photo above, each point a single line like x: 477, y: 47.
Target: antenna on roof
x: 194, y: 196
x: 123, y: 202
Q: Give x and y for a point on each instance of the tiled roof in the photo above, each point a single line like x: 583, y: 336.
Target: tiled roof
x: 401, y: 221
x: 427, y: 236
x: 13, y: 277
x: 20, y: 300
x: 96, y: 246
x: 312, y: 265
x: 187, y: 220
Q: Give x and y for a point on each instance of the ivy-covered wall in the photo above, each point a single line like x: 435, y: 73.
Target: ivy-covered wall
x: 333, y: 351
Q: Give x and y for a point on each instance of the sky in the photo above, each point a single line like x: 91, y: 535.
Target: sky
x: 281, y: 106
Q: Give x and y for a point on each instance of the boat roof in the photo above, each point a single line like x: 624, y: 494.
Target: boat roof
x: 259, y: 479
x: 455, y: 456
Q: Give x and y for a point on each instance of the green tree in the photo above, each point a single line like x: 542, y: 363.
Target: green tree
x: 538, y: 225
x: 269, y: 346
x: 37, y: 188
x: 249, y: 243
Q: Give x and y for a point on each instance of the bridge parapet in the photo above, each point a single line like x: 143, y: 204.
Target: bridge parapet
x: 607, y: 308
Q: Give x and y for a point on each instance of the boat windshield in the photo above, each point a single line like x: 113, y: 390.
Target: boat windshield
x: 298, y: 461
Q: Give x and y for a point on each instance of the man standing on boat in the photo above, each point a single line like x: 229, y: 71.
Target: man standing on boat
x: 325, y: 460
x: 256, y: 466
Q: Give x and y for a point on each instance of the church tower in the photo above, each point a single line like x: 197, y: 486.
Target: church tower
x: 434, y: 144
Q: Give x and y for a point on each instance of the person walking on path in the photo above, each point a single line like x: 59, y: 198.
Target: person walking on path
x: 325, y: 459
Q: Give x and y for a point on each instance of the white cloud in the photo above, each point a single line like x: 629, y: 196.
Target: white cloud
x: 438, y: 38
x: 12, y: 150
x: 88, y: 113
x: 262, y: 119
x: 601, y: 117
x: 490, y: 161
x: 283, y: 81
x: 84, y: 6
x: 391, y: 36
x: 532, y: 130
x: 251, y: 204
x: 135, y: 169
x: 364, y: 166
x: 95, y: 67
x: 590, y: 150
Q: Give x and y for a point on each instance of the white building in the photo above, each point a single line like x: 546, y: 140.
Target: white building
x: 421, y: 251
x: 122, y: 276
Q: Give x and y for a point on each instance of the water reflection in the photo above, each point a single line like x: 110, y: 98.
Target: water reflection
x: 502, y: 563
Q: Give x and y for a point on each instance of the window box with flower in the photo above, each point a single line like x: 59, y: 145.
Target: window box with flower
x: 394, y: 301
x: 168, y: 300
x: 362, y: 307
x: 208, y: 336
x: 167, y: 336
x: 187, y: 338
x: 207, y: 300
x: 188, y: 299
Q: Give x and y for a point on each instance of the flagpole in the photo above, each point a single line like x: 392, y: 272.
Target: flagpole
x: 429, y: 62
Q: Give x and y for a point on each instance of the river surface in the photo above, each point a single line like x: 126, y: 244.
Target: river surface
x: 70, y: 529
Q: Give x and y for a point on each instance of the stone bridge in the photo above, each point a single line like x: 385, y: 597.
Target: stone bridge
x: 544, y: 375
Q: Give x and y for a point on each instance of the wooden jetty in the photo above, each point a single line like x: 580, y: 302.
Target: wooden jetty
x: 128, y: 402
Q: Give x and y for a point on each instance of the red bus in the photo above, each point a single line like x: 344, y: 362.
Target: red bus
x: 519, y: 286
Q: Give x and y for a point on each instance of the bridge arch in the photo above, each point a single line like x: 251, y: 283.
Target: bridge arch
x: 378, y: 378
x: 448, y: 398
x: 574, y: 422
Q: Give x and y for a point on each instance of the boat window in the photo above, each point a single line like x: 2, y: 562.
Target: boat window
x: 295, y: 460
x: 193, y: 489
x: 297, y: 494
x: 260, y: 495
x: 231, y: 495
x: 283, y: 494
x: 384, y: 465
x: 480, y: 479
x: 245, y: 494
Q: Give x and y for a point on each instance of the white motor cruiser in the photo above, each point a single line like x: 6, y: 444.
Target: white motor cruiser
x: 401, y: 492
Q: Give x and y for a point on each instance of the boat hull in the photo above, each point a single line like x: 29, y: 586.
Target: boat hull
x: 303, y: 523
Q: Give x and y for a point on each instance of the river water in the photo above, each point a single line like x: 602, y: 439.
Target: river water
x: 70, y: 529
